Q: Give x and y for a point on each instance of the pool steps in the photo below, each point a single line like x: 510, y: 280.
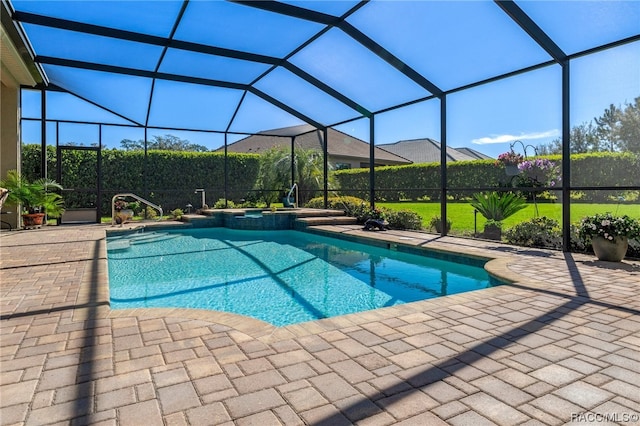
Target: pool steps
x: 245, y: 219
x: 124, y: 242
x: 257, y: 219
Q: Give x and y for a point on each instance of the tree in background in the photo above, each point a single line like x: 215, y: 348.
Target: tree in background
x: 274, y: 174
x: 309, y: 173
x: 629, y: 130
x: 608, y: 126
x: 583, y: 138
x: 166, y: 143
x: 274, y: 177
x: 617, y: 129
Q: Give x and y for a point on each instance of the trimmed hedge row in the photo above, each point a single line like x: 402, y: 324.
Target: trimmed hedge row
x: 417, y: 181
x: 168, y: 178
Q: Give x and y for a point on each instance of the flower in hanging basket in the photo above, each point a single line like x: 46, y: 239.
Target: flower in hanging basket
x: 510, y: 158
x: 608, y: 226
x: 539, y: 172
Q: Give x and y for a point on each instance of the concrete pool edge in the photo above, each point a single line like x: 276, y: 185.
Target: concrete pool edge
x: 496, y: 265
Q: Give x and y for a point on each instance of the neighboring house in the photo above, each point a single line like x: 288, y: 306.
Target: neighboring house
x: 428, y: 151
x: 344, y: 151
x: 477, y: 155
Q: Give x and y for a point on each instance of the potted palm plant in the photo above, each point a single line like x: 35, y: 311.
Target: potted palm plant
x: 35, y: 197
x: 495, y: 207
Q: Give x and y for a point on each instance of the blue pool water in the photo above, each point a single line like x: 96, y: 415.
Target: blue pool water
x: 282, y: 277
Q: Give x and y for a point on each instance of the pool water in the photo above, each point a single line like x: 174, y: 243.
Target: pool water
x: 281, y: 277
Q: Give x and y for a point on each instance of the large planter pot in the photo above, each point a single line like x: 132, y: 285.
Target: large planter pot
x: 610, y: 251
x: 32, y: 220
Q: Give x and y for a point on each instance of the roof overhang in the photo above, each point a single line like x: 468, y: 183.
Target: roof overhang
x: 18, y: 65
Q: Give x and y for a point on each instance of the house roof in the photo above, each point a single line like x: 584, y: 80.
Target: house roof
x: 428, y: 151
x: 473, y: 153
x: 306, y: 137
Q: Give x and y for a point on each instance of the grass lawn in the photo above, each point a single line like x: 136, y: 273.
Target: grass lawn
x: 461, y: 214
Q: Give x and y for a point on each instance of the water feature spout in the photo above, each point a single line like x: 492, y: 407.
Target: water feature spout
x: 201, y: 190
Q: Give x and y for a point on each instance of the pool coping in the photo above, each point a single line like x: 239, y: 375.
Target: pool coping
x: 497, y: 265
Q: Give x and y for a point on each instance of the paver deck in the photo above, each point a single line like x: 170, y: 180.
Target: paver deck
x: 560, y: 344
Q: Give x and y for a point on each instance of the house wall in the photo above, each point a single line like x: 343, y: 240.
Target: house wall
x: 9, y: 142
x: 356, y: 163
x: 13, y: 73
x: 353, y: 163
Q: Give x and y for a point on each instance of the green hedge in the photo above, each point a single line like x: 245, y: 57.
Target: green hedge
x: 408, y: 182
x: 168, y: 178
x: 416, y: 181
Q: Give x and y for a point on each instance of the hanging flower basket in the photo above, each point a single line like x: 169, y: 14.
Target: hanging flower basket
x: 510, y: 160
x: 511, y: 169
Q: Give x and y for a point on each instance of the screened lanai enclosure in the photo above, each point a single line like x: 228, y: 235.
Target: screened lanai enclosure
x: 399, y: 103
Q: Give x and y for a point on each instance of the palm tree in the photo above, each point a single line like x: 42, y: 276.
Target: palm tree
x: 274, y: 176
x: 34, y: 197
x: 309, y: 173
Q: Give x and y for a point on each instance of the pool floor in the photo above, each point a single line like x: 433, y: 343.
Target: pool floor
x: 281, y: 277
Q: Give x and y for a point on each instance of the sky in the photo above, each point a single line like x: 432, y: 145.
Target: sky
x: 450, y: 43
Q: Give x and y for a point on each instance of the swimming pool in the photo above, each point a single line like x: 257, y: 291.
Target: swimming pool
x: 281, y: 277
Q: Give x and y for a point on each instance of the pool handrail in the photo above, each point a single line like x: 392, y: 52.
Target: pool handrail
x: 129, y: 194
x: 294, y: 187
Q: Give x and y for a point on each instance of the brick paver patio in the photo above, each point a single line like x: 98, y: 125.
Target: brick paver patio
x: 560, y: 344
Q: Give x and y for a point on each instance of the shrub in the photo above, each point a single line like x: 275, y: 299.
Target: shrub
x: 177, y: 214
x: 369, y: 213
x: 436, y: 223
x: 361, y: 210
x: 577, y: 243
x: 537, y: 232
x: 316, y: 203
x: 403, y: 219
x: 544, y: 233
x: 352, y: 206
x: 224, y: 204
x: 135, y: 206
x: 345, y: 203
x: 634, y: 249
x: 247, y: 204
x: 151, y: 213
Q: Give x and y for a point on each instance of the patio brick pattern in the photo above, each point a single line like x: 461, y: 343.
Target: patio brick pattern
x: 561, y: 341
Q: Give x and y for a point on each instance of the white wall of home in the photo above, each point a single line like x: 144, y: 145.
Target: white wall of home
x: 13, y: 74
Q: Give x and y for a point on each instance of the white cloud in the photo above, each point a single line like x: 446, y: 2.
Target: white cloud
x: 510, y: 138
